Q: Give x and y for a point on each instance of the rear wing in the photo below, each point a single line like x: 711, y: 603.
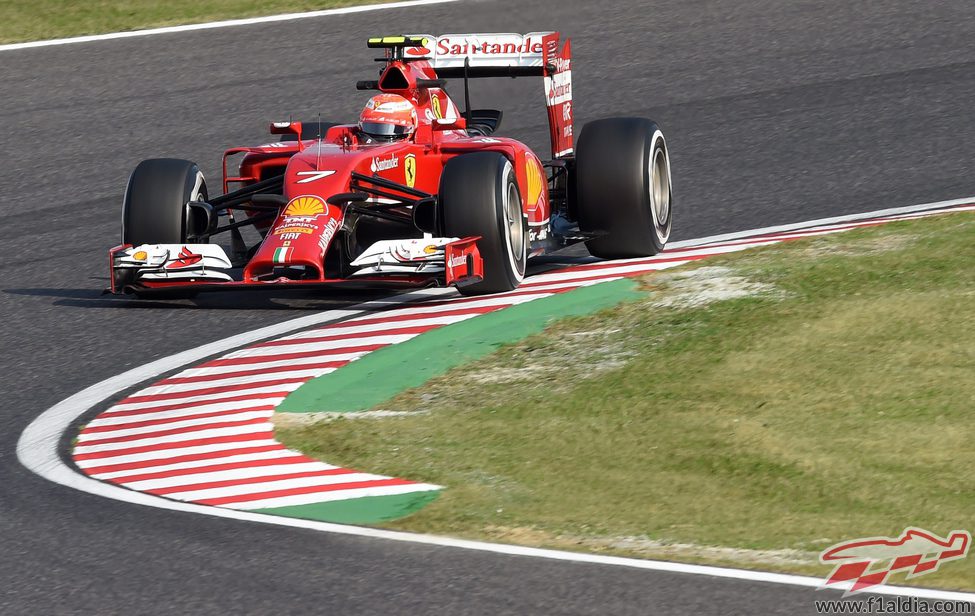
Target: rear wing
x: 536, y: 54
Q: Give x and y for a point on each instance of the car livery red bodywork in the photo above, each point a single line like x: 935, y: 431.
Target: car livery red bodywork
x: 452, y: 204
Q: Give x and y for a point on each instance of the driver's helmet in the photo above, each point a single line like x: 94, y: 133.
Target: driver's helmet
x: 388, y: 117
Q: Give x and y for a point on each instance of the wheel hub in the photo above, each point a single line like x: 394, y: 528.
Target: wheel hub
x: 660, y: 187
x: 513, y: 216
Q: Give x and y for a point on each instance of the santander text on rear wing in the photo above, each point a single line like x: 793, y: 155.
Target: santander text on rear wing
x: 536, y: 54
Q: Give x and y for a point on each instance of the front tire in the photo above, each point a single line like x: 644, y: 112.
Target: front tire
x: 623, y: 187
x: 479, y: 196
x: 154, y: 209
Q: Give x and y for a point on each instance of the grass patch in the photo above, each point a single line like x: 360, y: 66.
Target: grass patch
x: 29, y: 20
x: 750, y: 410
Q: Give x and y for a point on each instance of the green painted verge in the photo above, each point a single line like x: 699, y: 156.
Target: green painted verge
x: 382, y: 374
x: 366, y: 510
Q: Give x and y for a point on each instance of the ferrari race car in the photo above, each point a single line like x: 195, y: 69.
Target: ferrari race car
x: 418, y: 193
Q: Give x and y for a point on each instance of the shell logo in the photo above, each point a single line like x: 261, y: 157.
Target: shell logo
x: 305, y: 206
x: 534, y: 175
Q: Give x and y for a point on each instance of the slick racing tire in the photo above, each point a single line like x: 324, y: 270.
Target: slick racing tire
x: 479, y: 196
x: 623, y: 187
x: 154, y: 209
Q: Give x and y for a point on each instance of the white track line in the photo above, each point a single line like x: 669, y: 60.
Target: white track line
x: 299, y: 345
x: 280, y: 363
x: 252, y: 379
x: 254, y: 391
x: 162, y: 455
x: 275, y: 454
x: 910, y: 209
x: 432, y: 311
x: 250, y: 472
x: 169, y: 441
x: 230, y: 23
x: 111, y: 419
x: 271, y: 485
x: 37, y: 449
x: 175, y: 425
x: 387, y: 329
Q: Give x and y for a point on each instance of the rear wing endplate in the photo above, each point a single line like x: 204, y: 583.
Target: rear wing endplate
x: 536, y: 54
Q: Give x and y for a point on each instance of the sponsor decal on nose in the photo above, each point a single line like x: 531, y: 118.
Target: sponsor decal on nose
x: 305, y: 205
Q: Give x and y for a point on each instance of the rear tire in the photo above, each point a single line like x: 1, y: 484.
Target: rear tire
x: 154, y: 208
x: 479, y: 196
x: 623, y: 187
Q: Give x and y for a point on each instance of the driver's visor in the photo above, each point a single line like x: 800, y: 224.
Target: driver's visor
x: 383, y: 129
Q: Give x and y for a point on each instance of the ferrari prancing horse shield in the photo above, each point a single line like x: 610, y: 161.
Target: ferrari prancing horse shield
x: 409, y: 168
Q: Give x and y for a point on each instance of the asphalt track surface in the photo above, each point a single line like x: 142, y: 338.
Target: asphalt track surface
x: 775, y: 112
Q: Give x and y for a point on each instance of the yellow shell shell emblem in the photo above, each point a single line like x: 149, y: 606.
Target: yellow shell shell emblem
x: 534, y: 175
x: 305, y: 206
x: 409, y: 169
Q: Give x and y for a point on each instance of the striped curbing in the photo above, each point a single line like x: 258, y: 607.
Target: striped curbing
x: 204, y: 435
x: 381, y: 375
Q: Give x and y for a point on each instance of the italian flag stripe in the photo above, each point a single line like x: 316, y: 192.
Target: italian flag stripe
x: 281, y: 255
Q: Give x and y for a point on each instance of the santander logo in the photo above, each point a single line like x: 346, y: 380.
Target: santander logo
x: 379, y: 164
x: 488, y: 45
x: 418, y: 51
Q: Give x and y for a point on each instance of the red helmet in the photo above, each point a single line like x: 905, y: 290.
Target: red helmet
x: 388, y: 117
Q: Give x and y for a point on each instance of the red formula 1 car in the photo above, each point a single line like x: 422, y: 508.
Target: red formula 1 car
x: 417, y: 193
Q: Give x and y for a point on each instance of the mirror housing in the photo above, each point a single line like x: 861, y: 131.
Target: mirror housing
x: 449, y: 124
x: 286, y: 128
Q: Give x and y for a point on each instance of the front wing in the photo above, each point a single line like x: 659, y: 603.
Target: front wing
x: 160, y: 268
